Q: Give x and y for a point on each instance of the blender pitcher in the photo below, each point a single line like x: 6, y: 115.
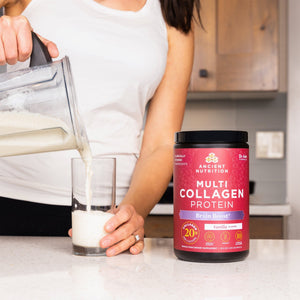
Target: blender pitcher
x: 38, y: 109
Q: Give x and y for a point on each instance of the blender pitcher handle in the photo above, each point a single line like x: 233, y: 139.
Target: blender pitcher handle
x: 40, y: 55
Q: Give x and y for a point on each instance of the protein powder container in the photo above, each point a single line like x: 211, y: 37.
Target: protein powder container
x: 211, y: 196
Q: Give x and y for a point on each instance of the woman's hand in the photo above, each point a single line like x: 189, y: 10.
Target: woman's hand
x: 123, y: 228
x: 16, y: 40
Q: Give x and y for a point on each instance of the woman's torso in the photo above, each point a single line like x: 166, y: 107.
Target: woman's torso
x: 118, y: 59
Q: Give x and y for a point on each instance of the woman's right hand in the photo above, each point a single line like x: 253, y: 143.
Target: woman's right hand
x: 16, y: 40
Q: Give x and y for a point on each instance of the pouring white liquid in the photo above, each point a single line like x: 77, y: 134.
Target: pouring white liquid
x: 25, y: 132
x: 88, y: 226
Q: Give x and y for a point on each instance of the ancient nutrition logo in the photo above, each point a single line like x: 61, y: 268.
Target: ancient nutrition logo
x: 212, y: 165
x: 211, y: 158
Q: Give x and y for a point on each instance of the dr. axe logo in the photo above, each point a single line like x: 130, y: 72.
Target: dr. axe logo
x: 211, y: 158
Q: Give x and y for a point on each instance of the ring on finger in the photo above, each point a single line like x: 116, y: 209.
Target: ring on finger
x: 136, y: 238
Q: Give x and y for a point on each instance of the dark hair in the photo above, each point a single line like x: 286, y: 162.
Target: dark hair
x: 180, y: 13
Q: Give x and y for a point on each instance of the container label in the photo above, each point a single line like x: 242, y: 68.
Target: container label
x: 211, y: 199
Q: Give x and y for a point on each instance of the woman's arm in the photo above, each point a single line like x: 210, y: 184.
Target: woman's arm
x: 154, y: 166
x: 14, y: 7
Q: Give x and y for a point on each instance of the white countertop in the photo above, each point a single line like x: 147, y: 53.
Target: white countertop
x: 255, y: 209
x: 44, y: 268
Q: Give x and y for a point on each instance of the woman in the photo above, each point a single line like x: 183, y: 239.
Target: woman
x: 123, y: 53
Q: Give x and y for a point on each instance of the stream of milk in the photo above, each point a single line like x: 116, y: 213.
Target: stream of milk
x: 88, y: 226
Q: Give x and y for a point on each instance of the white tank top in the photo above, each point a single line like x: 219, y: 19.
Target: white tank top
x: 118, y: 59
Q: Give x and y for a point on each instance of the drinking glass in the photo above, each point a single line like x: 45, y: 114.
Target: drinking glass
x: 93, y: 202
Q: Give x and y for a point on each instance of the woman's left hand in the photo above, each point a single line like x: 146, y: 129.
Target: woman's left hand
x: 126, y: 231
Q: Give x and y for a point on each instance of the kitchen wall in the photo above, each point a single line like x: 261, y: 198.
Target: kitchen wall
x: 251, y: 115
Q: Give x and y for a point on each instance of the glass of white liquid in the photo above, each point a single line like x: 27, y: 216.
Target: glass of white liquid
x: 93, y: 202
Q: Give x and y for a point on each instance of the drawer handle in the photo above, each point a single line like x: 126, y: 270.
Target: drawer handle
x: 203, y: 73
